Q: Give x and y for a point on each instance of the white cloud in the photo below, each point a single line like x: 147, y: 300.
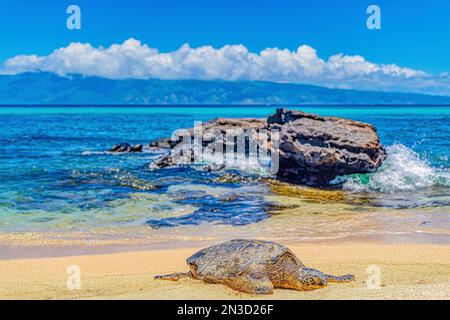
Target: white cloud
x: 132, y: 59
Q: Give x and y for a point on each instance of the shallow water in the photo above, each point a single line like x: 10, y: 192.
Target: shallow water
x: 55, y: 176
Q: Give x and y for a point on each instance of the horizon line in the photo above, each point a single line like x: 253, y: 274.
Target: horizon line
x: 230, y: 105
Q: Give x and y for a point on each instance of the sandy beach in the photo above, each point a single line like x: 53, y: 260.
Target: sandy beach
x: 408, y: 271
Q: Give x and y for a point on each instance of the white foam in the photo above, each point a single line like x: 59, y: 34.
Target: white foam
x: 403, y: 170
x: 256, y: 165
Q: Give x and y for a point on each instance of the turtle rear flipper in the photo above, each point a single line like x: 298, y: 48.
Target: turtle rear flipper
x: 342, y: 279
x: 254, y: 281
x: 250, y: 286
x: 174, y: 276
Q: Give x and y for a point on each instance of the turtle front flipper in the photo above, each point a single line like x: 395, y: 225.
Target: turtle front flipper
x: 342, y: 279
x: 174, y: 276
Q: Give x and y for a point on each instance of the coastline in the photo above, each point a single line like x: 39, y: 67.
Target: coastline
x: 225, y: 159
x: 122, y: 225
x: 408, y: 271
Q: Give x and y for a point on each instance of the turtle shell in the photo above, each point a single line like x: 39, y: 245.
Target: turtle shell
x: 233, y: 257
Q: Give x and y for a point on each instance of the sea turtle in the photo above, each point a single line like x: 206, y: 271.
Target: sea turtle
x: 255, y: 267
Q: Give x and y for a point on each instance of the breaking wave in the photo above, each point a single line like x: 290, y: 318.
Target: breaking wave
x: 403, y: 170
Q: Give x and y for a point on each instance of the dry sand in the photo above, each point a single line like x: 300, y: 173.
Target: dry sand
x: 407, y: 272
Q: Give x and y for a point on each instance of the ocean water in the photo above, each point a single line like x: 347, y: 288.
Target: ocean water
x: 56, y: 176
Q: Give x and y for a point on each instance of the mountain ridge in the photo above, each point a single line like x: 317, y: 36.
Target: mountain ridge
x: 42, y: 88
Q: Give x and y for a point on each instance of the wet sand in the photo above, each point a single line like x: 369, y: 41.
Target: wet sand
x: 408, y: 271
x: 333, y: 231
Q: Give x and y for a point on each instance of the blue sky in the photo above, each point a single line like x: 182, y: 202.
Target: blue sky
x: 415, y: 34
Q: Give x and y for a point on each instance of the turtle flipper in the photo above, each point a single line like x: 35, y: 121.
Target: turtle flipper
x: 254, y: 281
x: 342, y: 279
x: 174, y: 276
x: 250, y: 286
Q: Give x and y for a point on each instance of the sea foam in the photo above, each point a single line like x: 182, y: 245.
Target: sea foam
x: 403, y: 170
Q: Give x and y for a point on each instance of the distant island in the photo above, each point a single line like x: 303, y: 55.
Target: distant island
x: 48, y: 88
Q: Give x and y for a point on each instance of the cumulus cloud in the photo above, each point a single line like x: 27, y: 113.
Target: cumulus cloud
x: 133, y: 59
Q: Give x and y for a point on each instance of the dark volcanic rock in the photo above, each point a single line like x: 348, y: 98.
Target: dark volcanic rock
x: 125, y: 147
x: 312, y: 150
x: 137, y: 148
x: 162, y: 143
x: 283, y: 116
x: 165, y: 161
x: 210, y: 131
x: 120, y: 147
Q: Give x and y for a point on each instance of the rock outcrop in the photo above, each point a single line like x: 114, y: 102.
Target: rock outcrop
x: 210, y: 131
x: 314, y: 150
x: 311, y: 149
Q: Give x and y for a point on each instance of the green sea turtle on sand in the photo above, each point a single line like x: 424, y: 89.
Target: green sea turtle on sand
x: 255, y: 267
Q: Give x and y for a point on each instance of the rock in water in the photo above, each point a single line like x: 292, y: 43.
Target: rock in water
x: 314, y: 150
x: 210, y: 131
x: 125, y: 147
x: 120, y: 147
x: 161, y: 143
x: 137, y: 148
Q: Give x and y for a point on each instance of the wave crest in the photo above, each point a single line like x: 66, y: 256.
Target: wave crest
x: 403, y: 170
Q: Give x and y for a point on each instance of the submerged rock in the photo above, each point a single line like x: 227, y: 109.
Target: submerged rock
x: 235, y: 178
x: 311, y: 149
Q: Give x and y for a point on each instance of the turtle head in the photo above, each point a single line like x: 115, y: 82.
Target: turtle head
x: 311, y: 279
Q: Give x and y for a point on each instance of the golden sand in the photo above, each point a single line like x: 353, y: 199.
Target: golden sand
x: 407, y: 272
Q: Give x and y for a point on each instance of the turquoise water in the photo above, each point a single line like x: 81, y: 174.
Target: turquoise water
x: 54, y: 173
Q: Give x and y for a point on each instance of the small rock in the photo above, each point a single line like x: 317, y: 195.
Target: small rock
x: 121, y: 147
x: 125, y: 147
x: 162, y: 143
x: 136, y: 148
